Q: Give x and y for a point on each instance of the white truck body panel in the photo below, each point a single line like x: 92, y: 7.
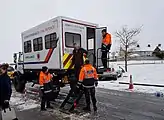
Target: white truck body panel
x: 59, y: 25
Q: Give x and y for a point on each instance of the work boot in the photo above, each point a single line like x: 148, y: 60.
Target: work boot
x: 43, y: 109
x: 95, y: 108
x: 87, y: 109
x: 50, y: 107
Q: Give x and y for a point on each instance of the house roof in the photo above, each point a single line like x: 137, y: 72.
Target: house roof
x: 146, y: 48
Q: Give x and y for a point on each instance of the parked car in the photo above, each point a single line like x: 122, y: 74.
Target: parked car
x: 112, y: 73
x: 10, y: 72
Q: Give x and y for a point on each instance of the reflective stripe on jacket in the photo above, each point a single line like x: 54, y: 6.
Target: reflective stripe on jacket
x: 88, y: 75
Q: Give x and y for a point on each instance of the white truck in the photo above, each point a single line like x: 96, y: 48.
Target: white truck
x: 51, y: 44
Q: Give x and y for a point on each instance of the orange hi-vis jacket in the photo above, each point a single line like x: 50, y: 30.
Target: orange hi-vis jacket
x: 88, y: 75
x: 107, y: 40
x: 44, y: 78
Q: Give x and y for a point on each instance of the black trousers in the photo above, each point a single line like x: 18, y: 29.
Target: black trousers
x: 90, y: 92
x: 104, y: 58
x: 77, y: 71
x: 44, y: 101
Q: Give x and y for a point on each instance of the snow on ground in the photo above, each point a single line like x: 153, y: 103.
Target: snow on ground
x: 142, y: 73
x: 147, y: 74
x: 135, y: 62
x: 21, y: 102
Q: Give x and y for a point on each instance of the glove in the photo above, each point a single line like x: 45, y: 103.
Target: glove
x: 96, y: 83
x: 5, y: 104
x: 103, y: 46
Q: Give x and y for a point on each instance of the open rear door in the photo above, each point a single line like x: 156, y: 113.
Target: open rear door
x: 98, y: 45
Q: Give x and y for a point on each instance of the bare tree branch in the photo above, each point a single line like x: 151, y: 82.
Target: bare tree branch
x: 125, y: 37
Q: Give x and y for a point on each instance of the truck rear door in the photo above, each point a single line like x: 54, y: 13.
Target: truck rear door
x: 98, y: 45
x: 72, y: 33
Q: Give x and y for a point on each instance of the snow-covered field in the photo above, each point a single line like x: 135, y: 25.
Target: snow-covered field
x: 144, y: 73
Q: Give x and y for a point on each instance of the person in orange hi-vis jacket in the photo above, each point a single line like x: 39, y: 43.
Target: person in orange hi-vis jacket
x: 45, y: 86
x: 88, y: 79
x: 105, y: 46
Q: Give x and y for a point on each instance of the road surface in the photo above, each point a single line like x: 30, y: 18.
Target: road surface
x: 112, y: 105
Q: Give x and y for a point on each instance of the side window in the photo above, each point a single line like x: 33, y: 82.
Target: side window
x: 27, y: 46
x: 50, y: 41
x: 38, y: 44
x: 71, y: 38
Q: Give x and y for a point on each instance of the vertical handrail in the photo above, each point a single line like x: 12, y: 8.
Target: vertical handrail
x: 97, y: 55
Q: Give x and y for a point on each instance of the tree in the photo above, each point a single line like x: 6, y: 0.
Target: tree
x: 127, y: 43
x: 159, y: 54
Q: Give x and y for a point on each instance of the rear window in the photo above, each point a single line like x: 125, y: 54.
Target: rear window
x: 38, y: 44
x: 51, y: 41
x: 27, y: 46
x: 71, y: 38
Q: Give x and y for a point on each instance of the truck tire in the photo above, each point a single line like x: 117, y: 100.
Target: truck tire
x: 19, y: 85
x: 115, y: 78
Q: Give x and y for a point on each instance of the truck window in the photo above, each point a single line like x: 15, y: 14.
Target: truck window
x: 71, y: 38
x: 38, y: 44
x: 50, y: 41
x: 27, y: 46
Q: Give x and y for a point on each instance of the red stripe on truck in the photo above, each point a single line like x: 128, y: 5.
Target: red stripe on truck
x: 48, y: 55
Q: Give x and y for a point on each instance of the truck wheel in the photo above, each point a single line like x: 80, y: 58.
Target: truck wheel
x: 18, y: 84
x: 115, y: 78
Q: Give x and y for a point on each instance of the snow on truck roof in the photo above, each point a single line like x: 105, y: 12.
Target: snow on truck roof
x: 65, y: 19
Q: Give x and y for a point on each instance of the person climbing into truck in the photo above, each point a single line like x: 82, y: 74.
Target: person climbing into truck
x: 105, y: 46
x: 45, y: 87
x: 78, y: 61
x: 88, y: 79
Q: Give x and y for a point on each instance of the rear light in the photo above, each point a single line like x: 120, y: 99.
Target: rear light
x: 108, y: 70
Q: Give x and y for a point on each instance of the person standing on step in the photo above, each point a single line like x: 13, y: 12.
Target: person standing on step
x: 105, y: 46
x: 88, y: 79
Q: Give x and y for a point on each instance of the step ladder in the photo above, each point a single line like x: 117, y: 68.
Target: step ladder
x: 72, y: 99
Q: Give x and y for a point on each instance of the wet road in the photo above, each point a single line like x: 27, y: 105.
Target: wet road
x: 112, y: 105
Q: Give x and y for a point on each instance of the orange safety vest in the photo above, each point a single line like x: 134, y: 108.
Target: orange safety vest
x: 87, y: 72
x: 44, y: 78
x: 107, y: 40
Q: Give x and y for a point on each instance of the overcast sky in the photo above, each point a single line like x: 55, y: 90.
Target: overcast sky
x: 19, y: 15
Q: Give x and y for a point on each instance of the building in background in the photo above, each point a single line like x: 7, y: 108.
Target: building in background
x: 143, y: 52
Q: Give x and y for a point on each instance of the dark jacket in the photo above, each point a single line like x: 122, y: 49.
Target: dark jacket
x: 5, y: 88
x: 78, y: 57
